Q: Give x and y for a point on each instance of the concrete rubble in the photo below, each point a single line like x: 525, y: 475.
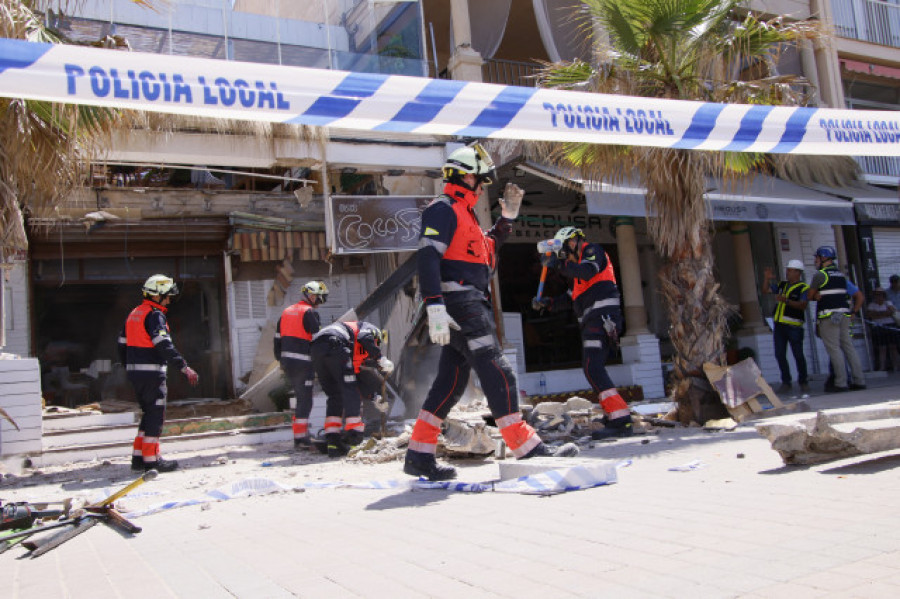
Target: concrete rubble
x: 833, y: 434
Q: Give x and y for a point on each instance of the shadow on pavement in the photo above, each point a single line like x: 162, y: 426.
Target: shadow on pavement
x: 411, y: 498
x: 867, y: 466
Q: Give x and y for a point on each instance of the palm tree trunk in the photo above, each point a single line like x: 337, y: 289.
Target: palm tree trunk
x: 698, y: 315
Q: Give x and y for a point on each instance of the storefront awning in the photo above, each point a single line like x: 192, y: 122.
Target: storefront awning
x: 761, y: 198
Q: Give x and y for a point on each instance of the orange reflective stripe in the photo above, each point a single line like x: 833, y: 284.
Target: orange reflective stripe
x: 138, y: 445
x: 150, y: 448
x: 425, y: 433
x: 613, y: 404
x: 430, y: 418
x: 299, y: 427
x: 518, y: 435
x: 332, y: 424
x: 354, y: 423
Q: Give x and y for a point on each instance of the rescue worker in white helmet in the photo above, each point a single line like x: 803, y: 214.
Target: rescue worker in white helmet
x: 456, y: 260
x: 338, y: 352
x: 145, y: 347
x: 595, y: 300
x: 293, y: 334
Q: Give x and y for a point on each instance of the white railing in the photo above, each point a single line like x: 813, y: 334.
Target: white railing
x: 873, y: 21
x: 888, y: 166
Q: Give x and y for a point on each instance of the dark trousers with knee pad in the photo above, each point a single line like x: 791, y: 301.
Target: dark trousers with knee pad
x: 301, y: 378
x: 150, y: 390
x: 333, y: 362
x: 597, y: 348
x: 473, y: 347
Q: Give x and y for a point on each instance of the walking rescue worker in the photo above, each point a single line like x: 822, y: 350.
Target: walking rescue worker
x: 789, y: 317
x: 828, y: 289
x: 338, y: 351
x: 293, y: 335
x: 595, y: 299
x: 456, y: 260
x: 146, y: 349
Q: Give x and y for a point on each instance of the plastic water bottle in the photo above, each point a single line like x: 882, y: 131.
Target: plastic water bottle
x: 543, y: 384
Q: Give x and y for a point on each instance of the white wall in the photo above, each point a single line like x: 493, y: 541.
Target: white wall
x: 16, y: 310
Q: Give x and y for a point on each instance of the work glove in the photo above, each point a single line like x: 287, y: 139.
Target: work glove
x: 539, y: 305
x: 439, y: 324
x: 191, y: 374
x: 385, y: 365
x: 612, y: 331
x: 381, y: 404
x: 511, y: 201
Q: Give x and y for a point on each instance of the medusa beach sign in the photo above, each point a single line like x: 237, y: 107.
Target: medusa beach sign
x: 401, y: 104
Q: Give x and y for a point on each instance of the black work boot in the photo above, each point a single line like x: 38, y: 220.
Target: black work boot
x: 567, y: 450
x: 137, y: 462
x: 335, y: 445
x: 161, y: 465
x: 424, y: 464
x: 304, y: 442
x: 617, y: 427
x: 353, y: 438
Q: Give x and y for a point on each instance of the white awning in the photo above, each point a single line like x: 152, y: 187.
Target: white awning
x: 761, y: 198
x: 860, y: 192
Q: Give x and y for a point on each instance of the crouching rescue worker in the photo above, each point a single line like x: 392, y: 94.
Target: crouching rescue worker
x: 338, y: 351
x: 293, y: 335
x: 456, y: 261
x: 145, y: 348
x: 595, y: 299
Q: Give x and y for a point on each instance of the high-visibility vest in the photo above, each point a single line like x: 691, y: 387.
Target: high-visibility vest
x: 607, y: 274
x: 136, y: 334
x: 469, y: 243
x: 292, y: 321
x: 786, y: 314
x: 833, y: 296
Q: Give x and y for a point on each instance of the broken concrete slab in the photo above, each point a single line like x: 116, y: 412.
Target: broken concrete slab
x: 833, y: 434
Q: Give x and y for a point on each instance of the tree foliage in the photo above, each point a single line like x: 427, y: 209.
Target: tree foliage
x: 707, y: 50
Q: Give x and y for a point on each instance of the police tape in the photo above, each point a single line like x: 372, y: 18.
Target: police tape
x: 550, y: 482
x: 402, y: 104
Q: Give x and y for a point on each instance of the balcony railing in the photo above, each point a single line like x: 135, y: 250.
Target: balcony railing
x: 888, y: 166
x: 510, y: 72
x: 873, y: 21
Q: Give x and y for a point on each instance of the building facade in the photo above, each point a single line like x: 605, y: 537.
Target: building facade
x: 239, y: 214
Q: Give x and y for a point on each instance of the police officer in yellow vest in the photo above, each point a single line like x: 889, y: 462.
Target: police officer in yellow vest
x: 789, y: 318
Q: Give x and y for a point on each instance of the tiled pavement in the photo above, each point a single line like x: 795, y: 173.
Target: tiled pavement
x: 743, y: 525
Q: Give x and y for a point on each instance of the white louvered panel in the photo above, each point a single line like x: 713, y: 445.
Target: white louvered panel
x: 258, y: 291
x: 887, y: 252
x: 241, y: 297
x: 247, y: 341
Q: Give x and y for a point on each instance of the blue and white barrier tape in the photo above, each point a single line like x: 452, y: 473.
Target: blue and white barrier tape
x: 394, y: 103
x: 550, y: 482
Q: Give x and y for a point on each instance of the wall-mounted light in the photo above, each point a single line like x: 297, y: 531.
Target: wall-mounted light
x: 348, y: 170
x: 434, y: 174
x: 394, y: 172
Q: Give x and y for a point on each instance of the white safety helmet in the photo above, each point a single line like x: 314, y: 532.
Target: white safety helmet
x: 472, y: 160
x: 795, y: 264
x: 160, y: 285
x: 315, y: 292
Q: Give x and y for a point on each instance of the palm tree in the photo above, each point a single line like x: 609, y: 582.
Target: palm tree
x: 709, y: 50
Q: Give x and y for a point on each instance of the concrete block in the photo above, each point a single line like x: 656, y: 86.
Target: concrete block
x: 833, y: 434
x: 512, y: 469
